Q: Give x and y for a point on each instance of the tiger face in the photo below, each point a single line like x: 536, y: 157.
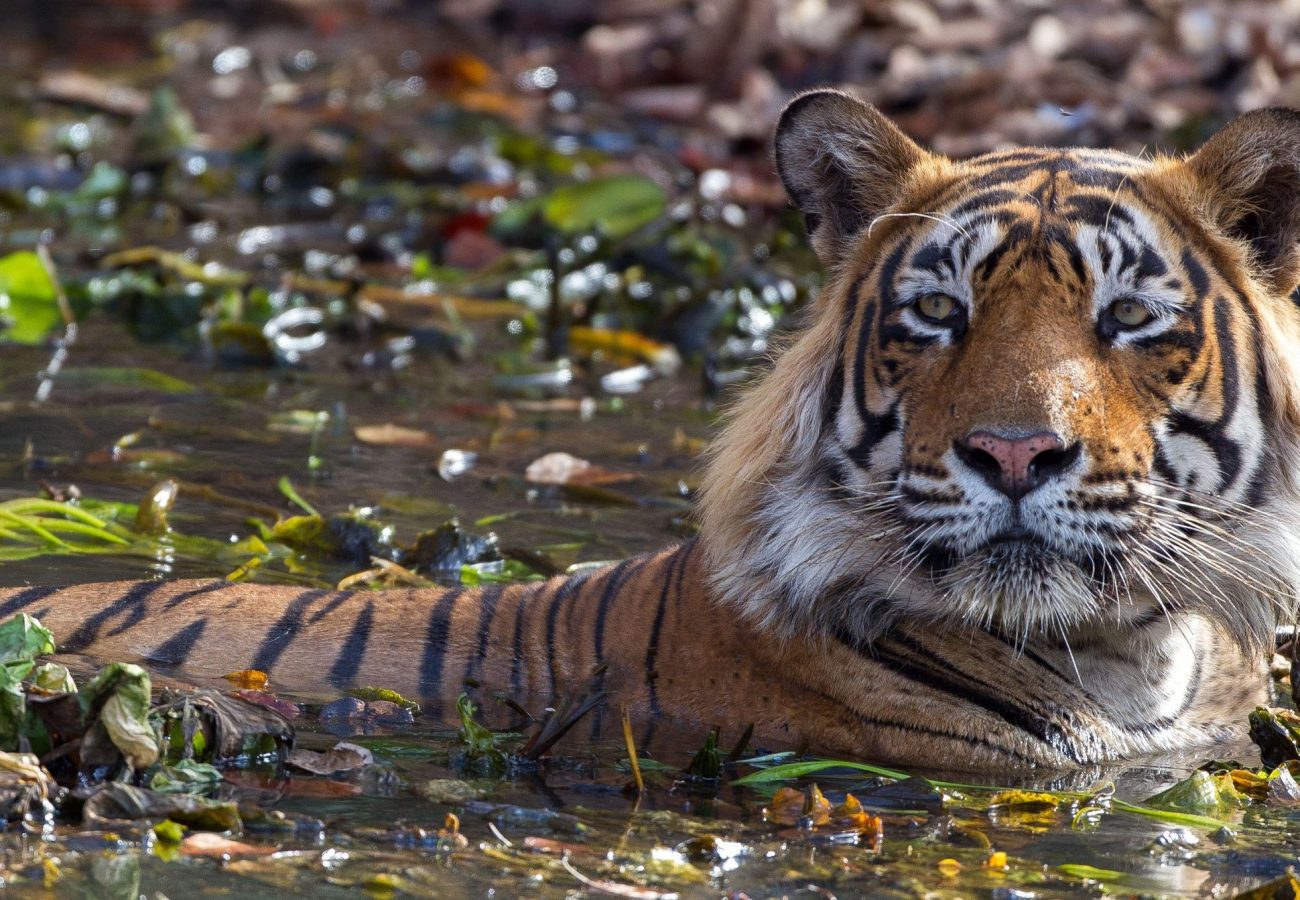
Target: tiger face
x: 1045, y: 391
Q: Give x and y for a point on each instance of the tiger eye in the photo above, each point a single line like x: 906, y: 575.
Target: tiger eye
x: 1130, y: 313
x: 936, y: 307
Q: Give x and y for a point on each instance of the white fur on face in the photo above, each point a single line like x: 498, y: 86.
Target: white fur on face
x: 853, y: 556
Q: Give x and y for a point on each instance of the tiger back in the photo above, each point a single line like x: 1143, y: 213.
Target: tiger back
x: 1023, y: 491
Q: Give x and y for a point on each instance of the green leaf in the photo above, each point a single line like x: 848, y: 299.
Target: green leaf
x: 126, y: 376
x: 54, y: 678
x: 120, y: 694
x: 614, y: 206
x: 169, y: 832
x: 291, y: 493
x: 1092, y: 873
x: 707, y: 762
x: 1200, y: 793
x: 104, y: 180
x: 477, y: 738
x: 185, y: 777
x: 369, y: 693
x: 22, y: 639
x: 28, y: 298
x: 790, y: 771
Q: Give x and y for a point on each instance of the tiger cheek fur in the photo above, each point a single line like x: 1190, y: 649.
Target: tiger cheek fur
x: 1024, y: 491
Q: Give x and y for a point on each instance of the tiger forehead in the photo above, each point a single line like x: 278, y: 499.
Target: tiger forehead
x: 1025, y: 205
x: 1074, y: 185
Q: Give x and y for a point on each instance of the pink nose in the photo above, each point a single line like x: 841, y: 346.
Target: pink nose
x: 1015, y: 466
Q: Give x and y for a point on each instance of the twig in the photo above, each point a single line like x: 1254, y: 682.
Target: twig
x: 62, y: 344
x: 631, y: 753
x: 492, y: 827
x: 613, y: 888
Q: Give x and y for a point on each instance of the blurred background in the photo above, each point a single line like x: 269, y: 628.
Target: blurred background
x: 966, y: 75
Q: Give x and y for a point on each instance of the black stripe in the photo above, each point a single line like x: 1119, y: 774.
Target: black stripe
x: 984, y: 199
x: 613, y: 584
x: 486, y: 616
x: 517, y: 645
x: 874, y: 428
x: 913, y: 663
x: 919, y: 726
x: 676, y: 569
x: 283, y: 632
x: 1196, y: 275
x: 346, y: 665
x: 1227, y: 452
x: 25, y: 598
x: 132, y: 603
x: 212, y: 588
x: 436, y: 637
x: 1097, y: 210
x: 1016, y: 236
x: 561, y: 597
x: 339, y: 599
x: 176, y: 649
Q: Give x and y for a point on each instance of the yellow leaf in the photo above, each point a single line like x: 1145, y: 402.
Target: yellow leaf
x: 248, y: 679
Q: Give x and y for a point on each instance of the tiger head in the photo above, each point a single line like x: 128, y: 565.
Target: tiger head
x: 1044, y: 390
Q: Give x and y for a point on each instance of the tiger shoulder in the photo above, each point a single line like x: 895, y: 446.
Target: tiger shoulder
x: 1023, y: 491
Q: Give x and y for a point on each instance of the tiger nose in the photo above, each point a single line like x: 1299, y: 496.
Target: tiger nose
x: 1016, y: 465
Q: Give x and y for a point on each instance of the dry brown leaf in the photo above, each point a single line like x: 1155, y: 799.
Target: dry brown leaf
x: 342, y: 757
x: 209, y: 844
x: 565, y: 468
x: 390, y: 435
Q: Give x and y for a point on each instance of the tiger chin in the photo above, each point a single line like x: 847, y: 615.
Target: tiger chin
x: 1023, y: 491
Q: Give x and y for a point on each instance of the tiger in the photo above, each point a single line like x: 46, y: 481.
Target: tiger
x: 1022, y: 490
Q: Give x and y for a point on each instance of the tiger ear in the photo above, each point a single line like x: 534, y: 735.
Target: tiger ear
x: 1250, y: 171
x: 843, y: 164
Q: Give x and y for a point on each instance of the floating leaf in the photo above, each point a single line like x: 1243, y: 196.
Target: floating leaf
x: 1092, y: 873
x: 185, y: 777
x: 390, y: 435
x: 449, y: 790
x: 169, y: 832
x: 1285, y: 888
x: 567, y: 469
x: 1200, y: 793
x: 377, y: 693
x: 117, y: 801
x: 342, y: 757
x: 205, y: 843
x: 247, y: 679
x: 125, y: 376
